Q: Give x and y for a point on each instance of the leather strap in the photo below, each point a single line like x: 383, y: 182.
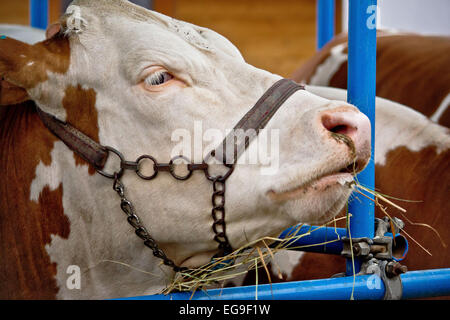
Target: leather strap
x: 255, y: 120
x: 81, y: 144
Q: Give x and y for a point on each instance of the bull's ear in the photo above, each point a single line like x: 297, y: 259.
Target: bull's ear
x: 11, y: 94
x: 15, y: 57
x: 23, y: 66
x: 53, y: 30
x: 12, y: 53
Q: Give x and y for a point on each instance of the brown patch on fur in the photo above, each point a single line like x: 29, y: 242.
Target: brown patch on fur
x: 27, y: 65
x: 82, y: 114
x: 318, y: 266
x: 424, y: 176
x: 26, y: 226
x: 11, y: 94
x: 415, y: 71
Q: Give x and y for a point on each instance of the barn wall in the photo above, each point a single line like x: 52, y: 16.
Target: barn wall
x: 274, y: 35
x: 14, y: 12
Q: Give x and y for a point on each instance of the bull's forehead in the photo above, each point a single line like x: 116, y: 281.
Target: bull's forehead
x: 131, y: 26
x: 120, y: 8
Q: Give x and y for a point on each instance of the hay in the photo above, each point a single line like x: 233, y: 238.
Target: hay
x: 240, y: 262
x: 258, y: 253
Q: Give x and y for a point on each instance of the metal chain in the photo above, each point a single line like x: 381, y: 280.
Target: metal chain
x: 219, y: 227
x: 133, y: 219
x: 218, y: 199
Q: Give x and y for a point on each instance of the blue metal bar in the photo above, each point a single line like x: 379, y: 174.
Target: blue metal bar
x: 325, y: 12
x: 314, y: 239
x: 39, y: 13
x: 328, y: 240
x: 427, y: 283
x: 361, y: 93
x: 324, y: 289
x: 416, y: 284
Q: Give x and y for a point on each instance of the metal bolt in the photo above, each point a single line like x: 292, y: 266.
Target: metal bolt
x: 361, y: 249
x: 394, y: 268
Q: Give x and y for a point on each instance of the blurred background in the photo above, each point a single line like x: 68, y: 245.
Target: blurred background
x: 274, y: 35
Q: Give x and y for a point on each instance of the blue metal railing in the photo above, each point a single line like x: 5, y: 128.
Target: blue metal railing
x: 39, y: 13
x: 328, y: 240
x: 325, y: 12
x: 362, y: 42
x: 416, y: 284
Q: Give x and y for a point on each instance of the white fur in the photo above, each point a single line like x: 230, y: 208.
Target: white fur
x: 441, y: 109
x: 325, y: 71
x: 118, y: 40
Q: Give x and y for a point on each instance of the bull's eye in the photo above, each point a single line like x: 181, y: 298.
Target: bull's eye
x: 157, y: 78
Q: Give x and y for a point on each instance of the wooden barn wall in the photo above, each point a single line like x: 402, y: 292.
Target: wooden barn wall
x: 276, y: 35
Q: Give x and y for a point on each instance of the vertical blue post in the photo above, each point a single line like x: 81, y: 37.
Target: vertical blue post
x: 325, y: 21
x: 39, y: 13
x: 361, y: 92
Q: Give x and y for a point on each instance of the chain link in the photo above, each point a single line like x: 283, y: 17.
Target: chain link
x: 133, y: 219
x: 218, y: 200
x: 219, y: 226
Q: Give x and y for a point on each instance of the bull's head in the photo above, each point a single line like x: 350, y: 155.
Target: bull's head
x: 133, y: 79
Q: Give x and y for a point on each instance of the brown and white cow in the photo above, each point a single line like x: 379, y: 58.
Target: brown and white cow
x: 412, y: 69
x: 128, y: 77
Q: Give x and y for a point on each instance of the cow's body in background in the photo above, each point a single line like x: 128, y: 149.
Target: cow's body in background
x: 412, y: 69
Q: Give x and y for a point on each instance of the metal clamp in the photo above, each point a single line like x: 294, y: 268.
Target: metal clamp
x: 380, y: 247
x: 377, y: 258
x: 389, y: 273
x: 365, y: 248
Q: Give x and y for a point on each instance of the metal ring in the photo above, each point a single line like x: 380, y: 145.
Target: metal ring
x: 215, y: 209
x: 220, y: 223
x: 172, y: 170
x: 220, y: 178
x: 155, y: 163
x: 115, y: 174
x: 215, y: 188
x: 222, y: 200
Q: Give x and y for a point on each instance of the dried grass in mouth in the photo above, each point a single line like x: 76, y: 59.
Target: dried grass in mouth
x: 248, y: 257
x: 258, y: 253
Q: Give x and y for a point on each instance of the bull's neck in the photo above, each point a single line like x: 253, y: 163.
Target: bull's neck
x: 26, y: 226
x: 52, y: 218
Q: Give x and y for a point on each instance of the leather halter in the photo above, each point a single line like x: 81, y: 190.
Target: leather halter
x: 97, y: 155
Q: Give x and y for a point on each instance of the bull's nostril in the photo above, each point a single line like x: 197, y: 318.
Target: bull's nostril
x: 343, y: 129
x: 338, y: 125
x: 351, y: 128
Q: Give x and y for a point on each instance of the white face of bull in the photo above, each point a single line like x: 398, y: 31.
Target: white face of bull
x: 153, y: 75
